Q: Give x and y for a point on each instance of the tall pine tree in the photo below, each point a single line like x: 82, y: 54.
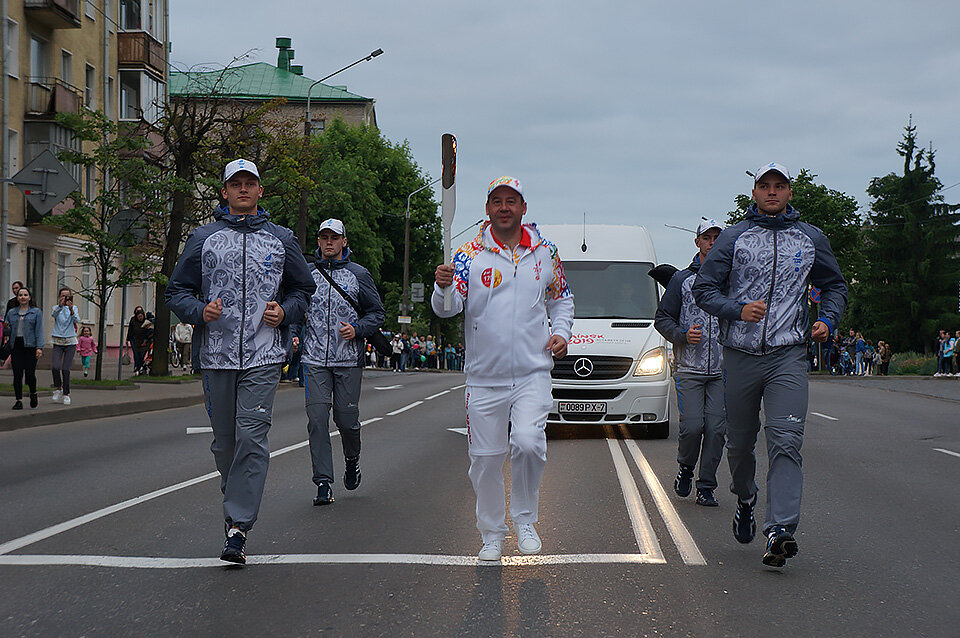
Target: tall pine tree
x: 912, y: 249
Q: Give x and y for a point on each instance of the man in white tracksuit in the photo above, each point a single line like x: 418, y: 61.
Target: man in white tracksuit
x: 507, y: 281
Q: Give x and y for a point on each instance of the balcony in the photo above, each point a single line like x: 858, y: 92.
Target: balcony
x: 48, y: 96
x: 138, y: 49
x: 55, y: 14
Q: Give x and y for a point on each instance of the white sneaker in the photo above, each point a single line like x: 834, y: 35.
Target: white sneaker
x: 57, y: 395
x: 527, y: 539
x: 66, y: 399
x: 491, y: 550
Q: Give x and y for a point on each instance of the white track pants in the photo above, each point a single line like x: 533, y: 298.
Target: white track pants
x: 525, y: 406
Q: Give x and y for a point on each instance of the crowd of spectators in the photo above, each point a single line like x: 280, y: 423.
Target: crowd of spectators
x: 419, y: 353
x: 947, y: 354
x: 854, y: 355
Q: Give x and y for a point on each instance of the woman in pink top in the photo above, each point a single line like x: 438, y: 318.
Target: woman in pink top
x: 86, y: 348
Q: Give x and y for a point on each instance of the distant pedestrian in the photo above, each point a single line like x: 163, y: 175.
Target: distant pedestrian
x: 26, y: 333
x: 885, y: 354
x: 510, y: 352
x: 13, y: 302
x: 137, y: 336
x: 755, y: 280
x: 183, y: 337
x: 86, y: 348
x: 333, y: 353
x: 66, y: 318
x: 696, y: 350
x: 242, y: 281
x: 396, y: 346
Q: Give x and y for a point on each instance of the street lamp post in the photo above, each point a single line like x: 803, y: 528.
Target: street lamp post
x: 407, y: 305
x: 302, y: 219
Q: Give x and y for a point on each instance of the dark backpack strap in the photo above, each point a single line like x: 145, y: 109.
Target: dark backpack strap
x: 343, y: 293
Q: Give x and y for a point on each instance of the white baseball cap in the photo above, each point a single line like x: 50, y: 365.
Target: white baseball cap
x: 706, y: 225
x: 239, y: 165
x: 332, y: 224
x: 509, y: 182
x: 772, y: 166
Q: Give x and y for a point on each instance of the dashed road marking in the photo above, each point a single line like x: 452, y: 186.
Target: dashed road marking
x: 825, y: 416
x: 199, y: 430
x: 404, y: 408
x: 438, y: 394
x: 950, y: 452
x: 387, y: 387
x: 462, y: 431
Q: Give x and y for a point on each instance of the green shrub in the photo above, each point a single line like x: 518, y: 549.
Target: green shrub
x: 913, y: 363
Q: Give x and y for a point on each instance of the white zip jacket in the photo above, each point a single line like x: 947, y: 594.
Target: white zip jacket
x: 508, y: 296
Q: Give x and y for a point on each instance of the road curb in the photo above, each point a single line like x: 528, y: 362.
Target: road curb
x: 24, y: 419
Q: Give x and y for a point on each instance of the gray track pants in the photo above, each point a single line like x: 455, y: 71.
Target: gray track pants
x: 339, y: 387
x: 702, y: 425
x: 780, y: 379
x: 240, y: 406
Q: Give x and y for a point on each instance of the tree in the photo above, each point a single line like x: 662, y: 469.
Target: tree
x: 198, y: 133
x: 354, y: 174
x: 911, y: 248
x: 130, y: 192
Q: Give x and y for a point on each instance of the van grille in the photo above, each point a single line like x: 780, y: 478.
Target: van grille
x: 586, y: 394
x: 602, y: 368
x: 631, y: 324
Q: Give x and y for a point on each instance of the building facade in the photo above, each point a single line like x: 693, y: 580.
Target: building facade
x: 60, y: 56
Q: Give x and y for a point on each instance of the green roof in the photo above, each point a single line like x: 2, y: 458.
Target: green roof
x: 257, y: 81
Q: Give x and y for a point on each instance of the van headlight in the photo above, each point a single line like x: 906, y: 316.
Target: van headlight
x: 651, y: 363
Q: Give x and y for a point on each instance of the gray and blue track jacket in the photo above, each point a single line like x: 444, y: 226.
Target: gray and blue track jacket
x: 322, y: 344
x: 245, y: 261
x: 676, y: 313
x: 771, y: 259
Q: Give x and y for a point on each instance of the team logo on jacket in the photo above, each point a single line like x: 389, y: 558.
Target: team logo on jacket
x: 797, y: 261
x: 491, y: 278
x: 537, y: 268
x: 268, y: 262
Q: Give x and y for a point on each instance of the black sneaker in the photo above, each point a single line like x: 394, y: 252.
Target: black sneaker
x: 744, y: 525
x: 18, y: 405
x: 351, y: 473
x: 706, y: 498
x: 233, y: 547
x: 324, y: 494
x: 34, y: 400
x: 684, y: 482
x: 781, y: 545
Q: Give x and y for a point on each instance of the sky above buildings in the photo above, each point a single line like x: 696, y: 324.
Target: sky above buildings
x: 631, y: 112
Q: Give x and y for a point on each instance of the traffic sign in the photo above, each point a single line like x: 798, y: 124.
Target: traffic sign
x: 45, y: 182
x: 129, y: 224
x: 814, y: 294
x: 403, y: 319
x: 416, y: 292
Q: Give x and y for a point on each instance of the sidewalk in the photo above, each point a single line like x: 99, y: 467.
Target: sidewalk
x: 947, y: 388
x: 88, y: 403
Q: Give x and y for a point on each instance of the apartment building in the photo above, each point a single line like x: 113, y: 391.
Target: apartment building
x: 61, y: 56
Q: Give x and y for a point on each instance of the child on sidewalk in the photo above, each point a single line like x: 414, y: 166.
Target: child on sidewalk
x: 86, y: 348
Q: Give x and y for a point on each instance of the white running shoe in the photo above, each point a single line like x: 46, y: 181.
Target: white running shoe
x: 491, y: 550
x: 66, y: 399
x: 527, y: 539
x: 57, y: 395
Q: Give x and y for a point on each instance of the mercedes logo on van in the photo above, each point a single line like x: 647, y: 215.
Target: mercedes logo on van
x: 583, y: 367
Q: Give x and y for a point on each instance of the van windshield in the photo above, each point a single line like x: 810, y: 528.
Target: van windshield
x: 611, y: 289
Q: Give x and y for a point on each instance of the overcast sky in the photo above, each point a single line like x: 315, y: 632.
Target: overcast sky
x: 631, y: 112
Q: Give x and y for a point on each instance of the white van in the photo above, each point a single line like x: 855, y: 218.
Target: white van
x: 616, y: 367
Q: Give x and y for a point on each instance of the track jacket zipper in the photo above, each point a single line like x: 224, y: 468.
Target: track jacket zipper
x: 773, y: 281
x: 243, y: 298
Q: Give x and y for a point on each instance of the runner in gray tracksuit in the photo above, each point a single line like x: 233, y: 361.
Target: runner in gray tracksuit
x: 333, y: 352
x: 696, y: 350
x: 755, y: 280
x: 241, y: 281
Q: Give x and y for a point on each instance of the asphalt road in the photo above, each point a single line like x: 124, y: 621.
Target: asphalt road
x: 88, y: 546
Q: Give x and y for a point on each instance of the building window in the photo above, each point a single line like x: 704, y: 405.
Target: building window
x: 130, y: 15
x: 13, y: 151
x: 108, y: 100
x: 89, y: 185
x: 130, y: 107
x: 90, y: 89
x: 35, y: 274
x: 89, y: 11
x: 38, y: 58
x: 63, y: 261
x: 66, y: 66
x: 13, y: 48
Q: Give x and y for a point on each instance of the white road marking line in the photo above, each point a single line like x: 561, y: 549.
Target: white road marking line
x: 150, y: 562
x: 950, y: 452
x: 462, y: 431
x: 825, y: 416
x: 43, y: 534
x: 387, y: 387
x: 362, y: 423
x: 438, y: 394
x: 678, y: 531
x: 457, y: 387
x: 642, y: 530
x: 199, y: 430
x: 404, y: 408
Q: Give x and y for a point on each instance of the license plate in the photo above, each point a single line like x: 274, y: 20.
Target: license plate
x: 592, y: 407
